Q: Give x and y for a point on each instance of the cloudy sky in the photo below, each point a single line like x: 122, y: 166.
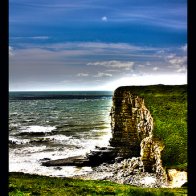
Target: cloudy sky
x: 96, y: 44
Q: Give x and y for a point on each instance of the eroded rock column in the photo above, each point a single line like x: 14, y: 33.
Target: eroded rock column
x: 132, y: 132
x: 131, y: 122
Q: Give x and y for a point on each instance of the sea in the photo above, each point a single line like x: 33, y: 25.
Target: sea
x: 56, y: 125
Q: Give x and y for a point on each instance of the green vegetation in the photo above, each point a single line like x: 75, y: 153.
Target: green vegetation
x: 26, y: 185
x: 168, y: 107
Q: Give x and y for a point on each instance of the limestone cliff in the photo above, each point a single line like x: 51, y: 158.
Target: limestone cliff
x: 132, y: 130
x: 131, y: 122
x: 132, y: 140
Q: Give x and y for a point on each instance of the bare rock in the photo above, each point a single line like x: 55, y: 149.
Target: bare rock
x: 131, y: 122
x: 176, y: 178
x: 79, y: 161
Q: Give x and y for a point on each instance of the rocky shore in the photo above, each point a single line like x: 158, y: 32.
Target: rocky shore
x: 134, y: 154
x: 127, y: 171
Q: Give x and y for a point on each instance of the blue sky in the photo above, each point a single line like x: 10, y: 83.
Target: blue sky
x: 96, y: 44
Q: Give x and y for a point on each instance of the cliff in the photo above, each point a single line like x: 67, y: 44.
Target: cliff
x: 131, y: 122
x: 158, y: 111
x: 138, y: 133
x: 132, y: 130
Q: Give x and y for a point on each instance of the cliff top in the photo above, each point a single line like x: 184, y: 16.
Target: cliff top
x: 168, y: 107
x: 160, y: 88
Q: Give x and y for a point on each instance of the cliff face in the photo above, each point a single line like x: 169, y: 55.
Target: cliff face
x: 132, y: 131
x: 131, y: 122
x: 133, y: 151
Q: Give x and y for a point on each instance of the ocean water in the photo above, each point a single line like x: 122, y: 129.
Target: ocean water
x: 56, y: 125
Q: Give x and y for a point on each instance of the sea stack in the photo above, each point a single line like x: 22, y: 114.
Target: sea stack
x: 132, y: 130
x: 131, y: 122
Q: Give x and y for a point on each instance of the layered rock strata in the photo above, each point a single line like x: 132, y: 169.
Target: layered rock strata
x: 132, y: 132
x: 131, y: 122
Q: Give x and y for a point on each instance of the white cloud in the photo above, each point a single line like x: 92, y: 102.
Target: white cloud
x: 103, y: 45
x: 82, y: 74
x: 112, y: 70
x: 127, y: 65
x: 184, y: 48
x: 104, y: 18
x: 157, y: 17
x: 155, y: 68
x: 109, y: 61
x: 95, y: 48
x: 170, y: 56
x: 11, y: 53
x: 167, y: 79
x: 178, y: 63
x: 178, y: 60
x: 39, y: 37
x: 161, y: 51
x: 32, y: 37
x: 182, y: 69
x: 141, y: 65
x: 148, y: 63
x: 100, y: 74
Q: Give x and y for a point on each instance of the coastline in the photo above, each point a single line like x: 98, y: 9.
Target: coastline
x: 120, y: 174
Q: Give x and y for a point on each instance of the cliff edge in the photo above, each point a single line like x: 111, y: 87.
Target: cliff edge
x: 137, y: 140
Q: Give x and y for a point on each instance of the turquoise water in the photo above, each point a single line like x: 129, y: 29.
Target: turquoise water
x: 56, y: 125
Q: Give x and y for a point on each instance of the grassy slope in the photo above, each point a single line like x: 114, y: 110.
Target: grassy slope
x: 25, y: 184
x: 168, y: 107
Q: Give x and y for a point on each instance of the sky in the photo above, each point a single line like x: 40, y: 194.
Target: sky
x: 96, y: 44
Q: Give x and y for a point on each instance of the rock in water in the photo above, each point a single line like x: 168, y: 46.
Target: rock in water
x: 79, y: 161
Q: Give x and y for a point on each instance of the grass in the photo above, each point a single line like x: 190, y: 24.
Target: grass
x: 25, y: 185
x: 168, y: 107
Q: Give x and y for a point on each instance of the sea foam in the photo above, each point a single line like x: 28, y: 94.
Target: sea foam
x: 37, y: 129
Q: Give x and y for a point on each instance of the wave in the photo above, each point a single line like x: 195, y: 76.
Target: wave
x: 13, y: 113
x: 36, y: 130
x: 28, y: 150
x: 17, y: 141
x: 14, y: 125
x: 61, y: 146
x: 59, y: 138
